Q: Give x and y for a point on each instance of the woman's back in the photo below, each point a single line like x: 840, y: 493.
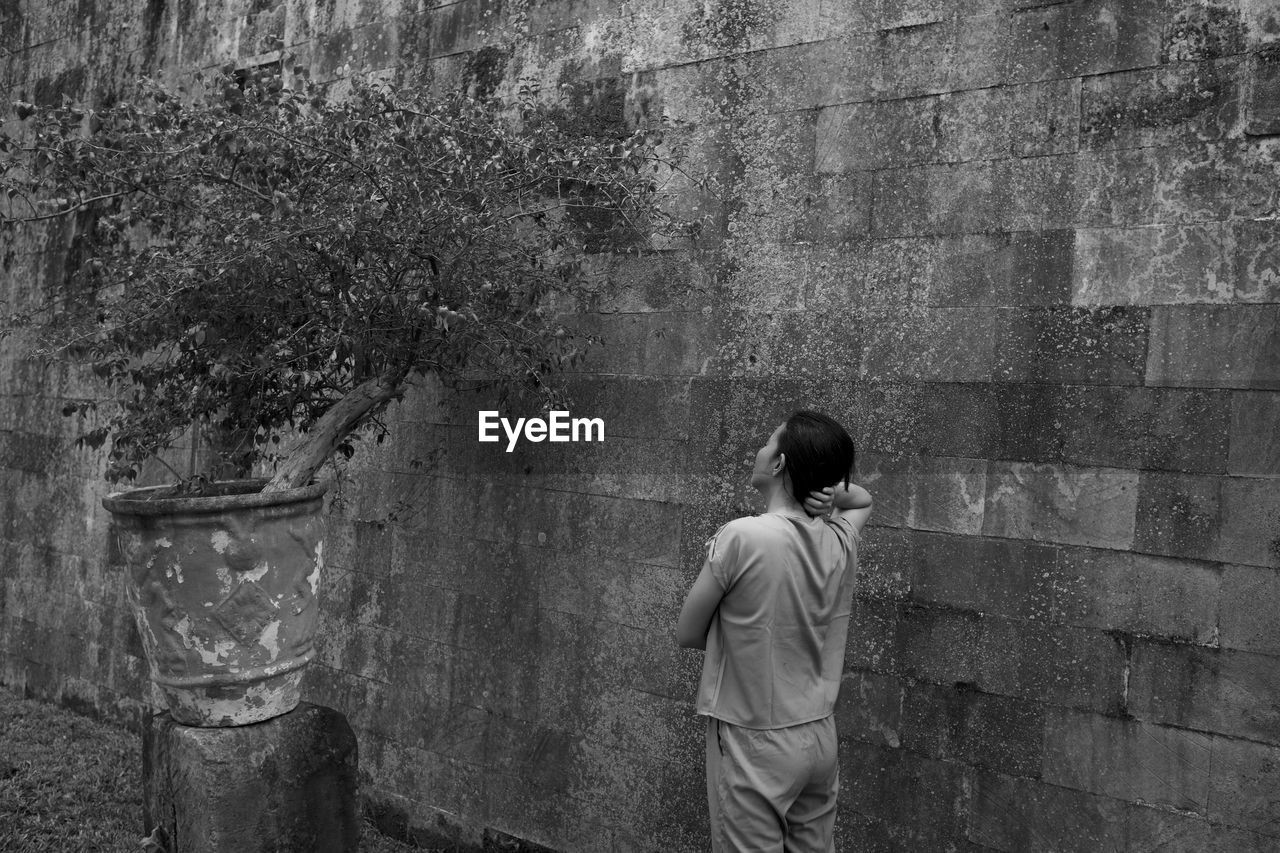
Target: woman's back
x: 775, y: 648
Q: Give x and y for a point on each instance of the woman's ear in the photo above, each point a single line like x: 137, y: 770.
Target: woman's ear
x: 779, y: 464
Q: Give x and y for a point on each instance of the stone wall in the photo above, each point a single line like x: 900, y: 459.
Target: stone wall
x: 1026, y: 249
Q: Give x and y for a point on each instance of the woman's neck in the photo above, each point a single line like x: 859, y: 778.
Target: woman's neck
x: 780, y: 500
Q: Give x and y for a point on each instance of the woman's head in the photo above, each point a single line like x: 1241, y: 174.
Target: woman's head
x: 811, y: 449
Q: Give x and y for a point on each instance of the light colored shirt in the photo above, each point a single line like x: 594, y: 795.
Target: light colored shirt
x: 775, y: 646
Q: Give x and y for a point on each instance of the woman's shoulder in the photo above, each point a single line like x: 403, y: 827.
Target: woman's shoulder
x: 748, y: 528
x: 843, y: 527
x: 744, y: 527
x: 769, y: 527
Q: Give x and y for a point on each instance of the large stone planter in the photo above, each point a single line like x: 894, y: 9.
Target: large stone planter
x: 223, y: 589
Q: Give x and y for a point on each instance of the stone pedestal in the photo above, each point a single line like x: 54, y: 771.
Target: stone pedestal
x: 286, y: 785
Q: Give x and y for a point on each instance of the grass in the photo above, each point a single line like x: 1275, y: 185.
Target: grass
x: 74, y: 785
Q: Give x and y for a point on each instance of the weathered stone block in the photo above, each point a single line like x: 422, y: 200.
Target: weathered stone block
x: 1262, y: 112
x: 656, y: 344
x: 885, y: 559
x: 1242, y: 787
x: 1178, y: 515
x: 440, y: 785
x: 657, y: 728
x: 1255, y: 443
x: 897, y: 209
x: 1230, y: 179
x: 331, y: 52
x: 1256, y: 255
x: 822, y: 72
x: 955, y: 198
x: 1215, y: 346
x: 850, y: 137
x: 626, y: 593
x: 1156, y: 265
x: 261, y: 33
x: 1175, y: 183
x: 641, y: 529
x: 1215, y: 690
x: 870, y: 708
x: 25, y: 451
x: 1050, y: 663
x: 775, y: 154
x: 1130, y: 760
x: 955, y: 420
x: 458, y: 27
x: 1178, y: 832
x: 945, y: 128
x: 928, y: 344
x: 1042, y: 193
x: 895, y: 14
x: 1248, y: 616
x: 948, y: 494
x: 647, y: 660
x: 1113, y: 187
x: 1077, y: 39
x: 1045, y: 118
x: 838, y: 211
x: 872, y: 645
x: 285, y: 784
x: 795, y: 343
x: 1027, y: 423
x: 899, y: 787
x: 1072, y: 345
x: 1042, y: 268
x: 411, y: 546
x: 611, y: 788
x: 643, y: 469
x: 1250, y: 528
x: 732, y: 416
x: 1157, y: 106
x: 957, y: 345
x: 1007, y: 577
x: 861, y: 832
x: 560, y: 16
x: 973, y: 270
x: 408, y: 715
x: 937, y: 645
x: 958, y: 53
x: 1025, y: 816
x: 1145, y: 428
x: 1137, y: 593
x: 324, y: 681
x: 960, y: 724
x: 908, y: 62
x: 888, y: 478
x: 972, y: 125
x: 377, y: 44
x: 1080, y: 506
x: 1204, y: 31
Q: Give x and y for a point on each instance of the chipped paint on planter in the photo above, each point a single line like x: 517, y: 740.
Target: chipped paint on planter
x: 223, y: 589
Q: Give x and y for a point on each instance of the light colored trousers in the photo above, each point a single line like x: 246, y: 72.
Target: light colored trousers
x: 772, y: 790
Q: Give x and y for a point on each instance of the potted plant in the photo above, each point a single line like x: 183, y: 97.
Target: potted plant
x: 274, y: 268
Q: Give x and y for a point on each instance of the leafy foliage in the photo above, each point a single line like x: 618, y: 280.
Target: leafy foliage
x: 248, y: 255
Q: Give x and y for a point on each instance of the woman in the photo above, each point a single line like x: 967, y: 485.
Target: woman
x: 771, y: 608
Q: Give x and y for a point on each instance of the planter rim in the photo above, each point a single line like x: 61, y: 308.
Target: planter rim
x: 243, y: 494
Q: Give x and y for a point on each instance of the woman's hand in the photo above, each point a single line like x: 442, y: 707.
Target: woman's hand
x: 842, y: 496
x: 820, y: 502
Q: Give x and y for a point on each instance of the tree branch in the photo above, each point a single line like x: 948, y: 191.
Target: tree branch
x: 310, y: 450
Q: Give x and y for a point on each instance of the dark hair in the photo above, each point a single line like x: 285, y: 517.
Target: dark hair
x: 819, y: 452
